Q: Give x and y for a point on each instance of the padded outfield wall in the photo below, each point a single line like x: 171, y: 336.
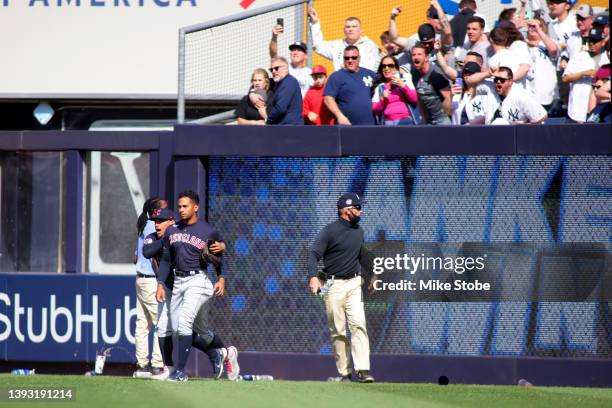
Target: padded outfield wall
x: 540, y: 212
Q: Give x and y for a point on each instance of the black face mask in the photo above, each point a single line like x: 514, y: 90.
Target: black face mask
x: 354, y: 219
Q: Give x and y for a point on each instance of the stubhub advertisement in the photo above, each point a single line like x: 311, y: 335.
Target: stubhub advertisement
x: 66, y: 318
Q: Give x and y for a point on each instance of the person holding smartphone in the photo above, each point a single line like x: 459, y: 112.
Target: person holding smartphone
x: 298, y: 57
x: 392, y: 95
x: 470, y: 106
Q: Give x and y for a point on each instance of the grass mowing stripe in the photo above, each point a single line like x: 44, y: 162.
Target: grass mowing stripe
x: 93, y: 392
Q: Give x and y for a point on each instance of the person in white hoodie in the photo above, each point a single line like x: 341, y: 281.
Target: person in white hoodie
x: 334, y: 50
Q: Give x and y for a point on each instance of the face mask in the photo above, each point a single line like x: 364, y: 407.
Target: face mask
x: 354, y: 219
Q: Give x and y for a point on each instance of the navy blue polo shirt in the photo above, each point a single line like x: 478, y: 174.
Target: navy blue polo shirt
x: 351, y: 90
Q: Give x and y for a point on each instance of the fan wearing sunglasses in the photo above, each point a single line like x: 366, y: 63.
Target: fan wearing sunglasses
x: 392, y: 95
x: 347, y: 93
x: 286, y: 105
x: 518, y: 105
x: 602, y: 111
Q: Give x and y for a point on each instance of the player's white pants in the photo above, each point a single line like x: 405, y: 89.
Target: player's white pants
x: 184, y: 310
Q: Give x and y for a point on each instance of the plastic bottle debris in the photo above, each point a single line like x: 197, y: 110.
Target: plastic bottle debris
x: 99, y: 367
x: 251, y: 377
x: 23, y: 371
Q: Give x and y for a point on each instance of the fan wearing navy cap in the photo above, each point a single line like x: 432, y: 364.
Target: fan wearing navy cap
x: 602, y: 20
x: 436, y: 19
x: 580, y: 71
x: 470, y: 105
x: 341, y: 246
x: 297, y: 59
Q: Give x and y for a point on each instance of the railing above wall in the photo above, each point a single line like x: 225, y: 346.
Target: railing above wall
x: 308, y: 141
x: 104, y: 141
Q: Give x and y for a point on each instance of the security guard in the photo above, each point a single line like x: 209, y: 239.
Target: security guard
x: 341, y: 245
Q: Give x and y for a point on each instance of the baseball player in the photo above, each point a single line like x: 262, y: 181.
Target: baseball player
x: 183, y: 244
x: 202, y: 338
x: 341, y: 245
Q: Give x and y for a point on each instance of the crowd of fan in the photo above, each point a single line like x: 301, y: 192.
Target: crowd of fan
x: 532, y: 66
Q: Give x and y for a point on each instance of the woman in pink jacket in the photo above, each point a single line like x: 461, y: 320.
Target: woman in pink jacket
x: 392, y: 95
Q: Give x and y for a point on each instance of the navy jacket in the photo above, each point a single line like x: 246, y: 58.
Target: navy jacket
x: 285, y: 108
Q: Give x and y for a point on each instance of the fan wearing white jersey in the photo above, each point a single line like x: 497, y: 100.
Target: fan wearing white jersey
x: 518, y: 106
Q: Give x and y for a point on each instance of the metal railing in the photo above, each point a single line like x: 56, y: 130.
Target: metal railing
x: 184, y: 31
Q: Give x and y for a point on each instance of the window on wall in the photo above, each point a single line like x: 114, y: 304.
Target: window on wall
x: 117, y: 186
x: 32, y: 209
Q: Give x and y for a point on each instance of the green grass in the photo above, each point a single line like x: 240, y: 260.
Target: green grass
x: 93, y: 392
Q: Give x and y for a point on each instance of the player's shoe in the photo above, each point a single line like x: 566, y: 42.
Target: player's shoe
x: 160, y: 373
x: 231, y: 364
x: 364, y: 376
x: 218, y: 362
x: 344, y: 378
x: 142, y: 372
x: 178, y: 375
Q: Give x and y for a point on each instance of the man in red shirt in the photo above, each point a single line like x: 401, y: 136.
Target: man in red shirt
x: 314, y: 110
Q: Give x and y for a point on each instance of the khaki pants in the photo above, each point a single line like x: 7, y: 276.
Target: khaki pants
x: 343, y: 304
x: 146, y: 318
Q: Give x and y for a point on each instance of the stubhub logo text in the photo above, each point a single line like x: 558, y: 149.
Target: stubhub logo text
x: 66, y: 317
x: 63, y: 324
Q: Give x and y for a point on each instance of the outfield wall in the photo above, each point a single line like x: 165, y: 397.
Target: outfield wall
x: 535, y: 199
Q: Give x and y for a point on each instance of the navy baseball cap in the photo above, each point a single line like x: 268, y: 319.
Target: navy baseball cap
x: 601, y: 20
x: 350, y: 200
x: 300, y: 45
x: 163, y: 214
x: 471, y: 67
x: 596, y: 33
x: 432, y: 13
x: 426, y: 32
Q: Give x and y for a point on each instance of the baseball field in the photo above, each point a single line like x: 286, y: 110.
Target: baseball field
x: 93, y: 392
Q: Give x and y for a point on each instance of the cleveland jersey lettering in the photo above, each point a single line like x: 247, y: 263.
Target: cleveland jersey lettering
x: 187, y: 239
x: 186, y: 242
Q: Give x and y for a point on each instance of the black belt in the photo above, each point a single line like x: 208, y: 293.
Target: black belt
x: 142, y: 275
x: 183, y: 274
x: 326, y: 277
